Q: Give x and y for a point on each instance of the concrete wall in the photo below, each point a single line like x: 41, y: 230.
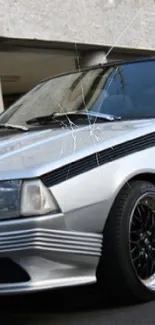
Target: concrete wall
x: 129, y: 23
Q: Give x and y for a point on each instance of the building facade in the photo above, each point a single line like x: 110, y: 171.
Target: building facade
x: 43, y: 38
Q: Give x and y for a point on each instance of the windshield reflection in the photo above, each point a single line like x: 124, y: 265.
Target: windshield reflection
x: 126, y: 90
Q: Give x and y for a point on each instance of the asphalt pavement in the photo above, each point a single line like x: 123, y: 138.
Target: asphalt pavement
x: 76, y: 306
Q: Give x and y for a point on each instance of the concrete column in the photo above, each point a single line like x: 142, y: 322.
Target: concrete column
x: 1, y: 99
x: 93, y: 58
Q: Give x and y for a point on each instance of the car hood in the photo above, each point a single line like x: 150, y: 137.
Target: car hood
x: 30, y: 154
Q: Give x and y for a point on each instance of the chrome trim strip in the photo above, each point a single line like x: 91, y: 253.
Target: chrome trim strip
x: 56, y: 233
x: 53, y: 240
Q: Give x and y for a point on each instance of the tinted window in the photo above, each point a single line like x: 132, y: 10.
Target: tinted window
x: 131, y: 90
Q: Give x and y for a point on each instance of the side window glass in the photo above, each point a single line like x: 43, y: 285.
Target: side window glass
x: 131, y: 90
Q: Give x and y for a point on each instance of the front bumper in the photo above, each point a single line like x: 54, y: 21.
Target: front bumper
x: 49, y: 254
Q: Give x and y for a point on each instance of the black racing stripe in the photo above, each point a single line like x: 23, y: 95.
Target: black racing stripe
x: 97, y: 159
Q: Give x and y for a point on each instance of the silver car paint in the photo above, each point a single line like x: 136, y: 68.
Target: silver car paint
x: 52, y: 255
x: 64, y: 249
x: 35, y: 153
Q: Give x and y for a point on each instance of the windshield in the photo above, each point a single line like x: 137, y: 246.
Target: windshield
x: 124, y: 90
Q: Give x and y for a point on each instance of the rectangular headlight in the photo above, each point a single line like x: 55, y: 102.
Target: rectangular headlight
x: 10, y: 199
x: 25, y: 198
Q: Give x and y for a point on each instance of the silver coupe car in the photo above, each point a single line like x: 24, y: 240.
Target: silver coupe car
x: 77, y: 183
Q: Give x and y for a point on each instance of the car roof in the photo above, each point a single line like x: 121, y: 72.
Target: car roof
x: 100, y: 65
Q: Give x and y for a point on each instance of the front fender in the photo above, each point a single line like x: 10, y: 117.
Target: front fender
x: 86, y: 199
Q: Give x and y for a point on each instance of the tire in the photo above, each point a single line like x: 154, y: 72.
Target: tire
x: 117, y: 274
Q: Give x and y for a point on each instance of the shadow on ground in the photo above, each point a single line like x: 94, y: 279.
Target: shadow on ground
x: 65, y: 300
x: 75, y: 306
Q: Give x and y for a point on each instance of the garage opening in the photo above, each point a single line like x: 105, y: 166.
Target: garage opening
x: 21, y: 71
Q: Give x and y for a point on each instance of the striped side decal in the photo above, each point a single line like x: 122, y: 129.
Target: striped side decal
x: 99, y: 158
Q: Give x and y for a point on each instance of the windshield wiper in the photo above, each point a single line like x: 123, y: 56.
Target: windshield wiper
x: 107, y: 117
x: 15, y: 127
x: 55, y: 117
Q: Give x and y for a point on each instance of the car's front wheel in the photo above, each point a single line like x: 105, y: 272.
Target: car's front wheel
x: 127, y: 265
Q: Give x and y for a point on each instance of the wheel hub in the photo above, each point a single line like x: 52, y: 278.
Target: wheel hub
x: 142, y: 240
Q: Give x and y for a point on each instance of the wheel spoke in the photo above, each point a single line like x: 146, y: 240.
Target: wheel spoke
x: 136, y: 232
x: 137, y: 218
x: 142, y: 240
x: 135, y: 241
x: 137, y: 257
x: 133, y: 249
x: 144, y: 268
x: 153, y: 221
x: 148, y: 269
x: 152, y: 267
x: 148, y: 219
